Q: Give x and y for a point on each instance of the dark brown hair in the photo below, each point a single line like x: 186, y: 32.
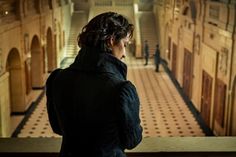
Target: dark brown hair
x: 101, y: 28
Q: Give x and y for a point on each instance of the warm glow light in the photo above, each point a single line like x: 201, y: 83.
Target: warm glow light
x: 6, y: 12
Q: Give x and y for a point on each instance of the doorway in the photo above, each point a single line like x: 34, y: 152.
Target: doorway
x: 174, y: 59
x: 187, y: 73
x: 50, y: 61
x: 15, y: 80
x: 36, y: 63
x: 206, y: 97
x: 15, y: 90
x: 219, y: 102
x: 233, y: 111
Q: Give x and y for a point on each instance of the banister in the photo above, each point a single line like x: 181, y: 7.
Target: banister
x: 149, y: 147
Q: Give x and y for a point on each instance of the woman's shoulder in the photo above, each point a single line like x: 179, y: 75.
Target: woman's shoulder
x: 127, y: 85
x: 127, y: 89
x: 53, y: 75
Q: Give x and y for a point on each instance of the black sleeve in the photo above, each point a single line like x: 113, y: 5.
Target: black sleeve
x: 50, y: 105
x: 128, y: 111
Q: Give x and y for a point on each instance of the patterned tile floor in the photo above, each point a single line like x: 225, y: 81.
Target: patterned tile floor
x: 163, y: 111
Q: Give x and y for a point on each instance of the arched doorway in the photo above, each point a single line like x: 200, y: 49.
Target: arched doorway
x: 50, y: 52
x: 16, y: 93
x: 36, y: 63
x: 167, y: 49
x: 233, y: 113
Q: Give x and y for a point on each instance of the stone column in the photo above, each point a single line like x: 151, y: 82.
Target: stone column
x: 5, y: 123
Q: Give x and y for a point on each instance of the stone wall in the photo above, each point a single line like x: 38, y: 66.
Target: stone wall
x: 25, y: 55
x: 203, y: 31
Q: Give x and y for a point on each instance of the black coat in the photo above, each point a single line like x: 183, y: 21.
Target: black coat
x: 94, y: 107
x: 157, y: 56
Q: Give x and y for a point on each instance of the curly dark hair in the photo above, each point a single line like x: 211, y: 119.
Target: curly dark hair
x: 101, y: 28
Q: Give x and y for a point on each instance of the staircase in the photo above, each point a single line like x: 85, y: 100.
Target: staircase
x: 79, y: 19
x: 148, y: 31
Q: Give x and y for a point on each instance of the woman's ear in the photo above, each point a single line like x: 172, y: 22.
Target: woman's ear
x: 111, y: 42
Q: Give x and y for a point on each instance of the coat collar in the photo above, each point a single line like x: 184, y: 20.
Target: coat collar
x: 93, y: 60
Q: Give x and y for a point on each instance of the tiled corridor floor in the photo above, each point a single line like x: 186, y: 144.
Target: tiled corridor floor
x: 163, y: 111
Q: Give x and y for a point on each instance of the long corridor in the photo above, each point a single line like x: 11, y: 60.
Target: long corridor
x: 163, y: 111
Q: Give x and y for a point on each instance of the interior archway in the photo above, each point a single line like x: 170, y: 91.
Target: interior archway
x: 14, y: 68
x: 50, y: 52
x: 36, y: 63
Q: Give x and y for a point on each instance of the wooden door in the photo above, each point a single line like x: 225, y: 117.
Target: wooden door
x: 174, y: 59
x: 233, y: 112
x: 219, y: 102
x: 206, y: 97
x: 169, y: 47
x: 187, y: 73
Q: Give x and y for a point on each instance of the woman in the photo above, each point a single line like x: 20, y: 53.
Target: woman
x: 91, y: 103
